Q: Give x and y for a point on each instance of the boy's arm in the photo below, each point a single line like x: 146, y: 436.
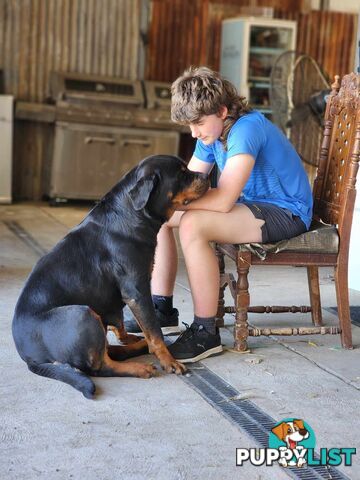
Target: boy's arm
x: 197, y: 165
x: 230, y: 185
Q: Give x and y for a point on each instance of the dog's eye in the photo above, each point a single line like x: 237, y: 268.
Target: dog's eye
x: 186, y: 201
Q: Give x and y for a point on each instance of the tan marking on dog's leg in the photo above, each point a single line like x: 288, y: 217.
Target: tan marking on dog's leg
x: 111, y: 368
x: 115, y: 331
x: 131, y: 339
x: 122, y: 352
x: 157, y: 346
x: 125, y: 338
x: 122, y: 335
x: 167, y: 361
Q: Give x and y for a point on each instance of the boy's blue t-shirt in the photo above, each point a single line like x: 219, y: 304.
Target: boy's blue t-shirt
x: 278, y: 176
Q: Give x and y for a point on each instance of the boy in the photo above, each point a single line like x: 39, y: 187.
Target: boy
x: 263, y: 195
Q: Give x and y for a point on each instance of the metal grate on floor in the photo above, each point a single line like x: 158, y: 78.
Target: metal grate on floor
x: 249, y: 418
x: 244, y: 414
x: 354, y: 313
x: 25, y: 237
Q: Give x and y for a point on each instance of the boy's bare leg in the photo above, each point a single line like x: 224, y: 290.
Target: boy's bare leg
x: 166, y: 258
x: 197, y: 229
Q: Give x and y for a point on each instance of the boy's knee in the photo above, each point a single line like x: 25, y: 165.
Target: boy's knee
x: 174, y: 221
x: 190, y: 227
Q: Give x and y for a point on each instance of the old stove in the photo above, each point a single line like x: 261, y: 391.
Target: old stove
x: 104, y: 127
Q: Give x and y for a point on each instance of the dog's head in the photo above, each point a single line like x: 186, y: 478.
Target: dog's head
x: 291, y: 432
x: 164, y: 183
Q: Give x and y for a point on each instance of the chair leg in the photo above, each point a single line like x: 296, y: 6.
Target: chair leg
x: 314, y: 292
x: 221, y: 303
x: 242, y: 302
x: 342, y: 296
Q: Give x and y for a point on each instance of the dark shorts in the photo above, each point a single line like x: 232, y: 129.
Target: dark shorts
x: 280, y: 223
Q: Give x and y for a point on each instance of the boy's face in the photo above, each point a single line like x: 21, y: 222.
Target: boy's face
x: 209, y: 128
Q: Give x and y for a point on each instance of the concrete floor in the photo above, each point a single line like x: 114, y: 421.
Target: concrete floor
x: 161, y: 428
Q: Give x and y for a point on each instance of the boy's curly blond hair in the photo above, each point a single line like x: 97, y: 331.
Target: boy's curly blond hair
x: 200, y: 91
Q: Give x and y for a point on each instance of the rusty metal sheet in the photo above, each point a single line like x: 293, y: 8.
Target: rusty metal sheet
x: 82, y: 36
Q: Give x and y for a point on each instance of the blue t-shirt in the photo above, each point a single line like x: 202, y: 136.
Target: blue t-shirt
x: 278, y: 176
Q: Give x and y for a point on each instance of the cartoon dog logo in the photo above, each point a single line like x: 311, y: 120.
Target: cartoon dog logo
x: 291, y: 433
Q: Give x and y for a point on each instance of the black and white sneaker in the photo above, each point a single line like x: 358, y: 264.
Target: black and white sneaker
x: 195, y: 344
x: 169, y: 323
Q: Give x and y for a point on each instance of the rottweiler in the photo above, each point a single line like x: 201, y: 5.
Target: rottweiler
x: 80, y: 287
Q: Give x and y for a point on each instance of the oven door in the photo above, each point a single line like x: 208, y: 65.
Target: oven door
x: 89, y: 160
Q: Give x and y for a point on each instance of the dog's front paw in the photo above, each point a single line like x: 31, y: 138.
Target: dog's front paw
x: 170, y: 365
x: 145, y: 370
x: 167, y: 361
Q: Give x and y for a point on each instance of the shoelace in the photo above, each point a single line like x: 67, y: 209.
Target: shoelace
x: 189, y: 332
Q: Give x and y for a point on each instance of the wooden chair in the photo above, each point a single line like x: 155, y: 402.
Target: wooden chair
x: 327, y: 242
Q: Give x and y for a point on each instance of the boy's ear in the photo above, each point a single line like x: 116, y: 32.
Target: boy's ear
x: 223, y: 111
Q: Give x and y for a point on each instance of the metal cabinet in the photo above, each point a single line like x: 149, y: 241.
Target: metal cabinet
x: 249, y: 47
x: 89, y: 160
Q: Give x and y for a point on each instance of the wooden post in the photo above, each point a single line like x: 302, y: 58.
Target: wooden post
x: 242, y: 302
x: 221, y: 303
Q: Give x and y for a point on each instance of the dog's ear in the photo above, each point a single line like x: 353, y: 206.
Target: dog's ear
x: 279, y: 430
x: 141, y: 192
x: 300, y: 424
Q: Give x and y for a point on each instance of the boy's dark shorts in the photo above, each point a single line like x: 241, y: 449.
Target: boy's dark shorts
x: 280, y: 223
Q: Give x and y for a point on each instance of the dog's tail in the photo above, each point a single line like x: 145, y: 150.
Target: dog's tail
x: 65, y: 373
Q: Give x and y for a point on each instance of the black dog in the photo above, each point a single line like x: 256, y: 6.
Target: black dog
x: 81, y: 286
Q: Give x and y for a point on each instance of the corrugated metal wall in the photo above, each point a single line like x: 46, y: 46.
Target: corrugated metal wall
x: 102, y: 37
x: 187, y: 33
x: 85, y: 36
x: 329, y: 37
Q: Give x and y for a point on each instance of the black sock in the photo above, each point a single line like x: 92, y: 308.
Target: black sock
x: 163, y: 303
x: 208, y: 322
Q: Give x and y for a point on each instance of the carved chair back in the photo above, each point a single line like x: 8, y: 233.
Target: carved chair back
x: 334, y: 186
